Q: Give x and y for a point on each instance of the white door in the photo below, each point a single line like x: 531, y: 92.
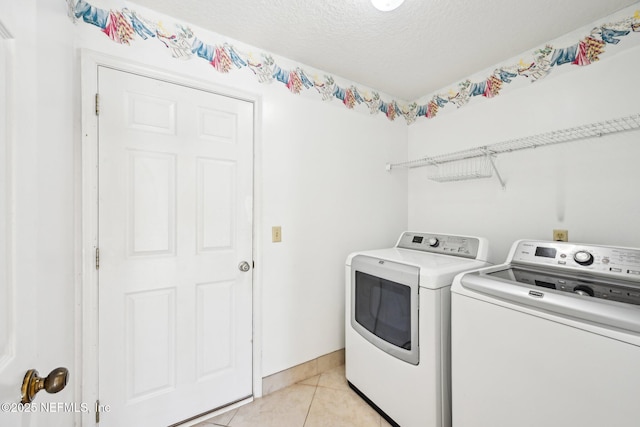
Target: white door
x: 175, y: 222
x: 18, y: 331
x: 10, y: 371
x: 21, y: 344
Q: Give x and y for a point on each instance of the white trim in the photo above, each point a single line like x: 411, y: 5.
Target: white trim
x: 258, y: 228
x: 86, y: 286
x: 7, y: 139
x: 216, y: 413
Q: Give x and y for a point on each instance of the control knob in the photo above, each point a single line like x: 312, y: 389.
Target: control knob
x: 433, y: 242
x: 583, y: 258
x: 583, y: 290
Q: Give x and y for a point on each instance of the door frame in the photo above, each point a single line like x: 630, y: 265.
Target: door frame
x: 87, y: 350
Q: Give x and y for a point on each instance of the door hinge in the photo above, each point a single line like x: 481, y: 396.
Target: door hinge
x: 97, y: 104
x: 97, y: 258
x: 97, y: 411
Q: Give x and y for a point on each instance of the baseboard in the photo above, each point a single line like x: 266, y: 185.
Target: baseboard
x: 302, y: 372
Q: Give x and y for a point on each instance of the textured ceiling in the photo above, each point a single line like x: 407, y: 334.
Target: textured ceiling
x: 414, y: 51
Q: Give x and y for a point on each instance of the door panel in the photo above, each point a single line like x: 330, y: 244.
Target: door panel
x: 215, y: 334
x: 175, y: 312
x: 150, y: 358
x: 216, y: 216
x: 151, y: 224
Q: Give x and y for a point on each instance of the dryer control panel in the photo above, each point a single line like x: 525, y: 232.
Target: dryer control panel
x: 623, y: 263
x: 462, y: 246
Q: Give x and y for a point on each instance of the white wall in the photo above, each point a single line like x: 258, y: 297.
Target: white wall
x: 321, y: 176
x: 587, y: 187
x: 324, y: 181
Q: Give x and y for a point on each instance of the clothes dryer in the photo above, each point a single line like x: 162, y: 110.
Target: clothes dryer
x: 397, y: 324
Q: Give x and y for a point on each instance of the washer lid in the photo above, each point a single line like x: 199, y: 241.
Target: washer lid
x: 605, y: 288
x: 547, y: 301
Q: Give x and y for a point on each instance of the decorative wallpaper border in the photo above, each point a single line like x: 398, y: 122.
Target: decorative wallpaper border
x: 124, y: 26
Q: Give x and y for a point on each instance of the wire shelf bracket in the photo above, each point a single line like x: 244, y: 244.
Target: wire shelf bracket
x: 463, y: 164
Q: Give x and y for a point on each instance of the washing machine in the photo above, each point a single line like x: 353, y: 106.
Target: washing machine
x: 397, y: 341
x: 549, y: 338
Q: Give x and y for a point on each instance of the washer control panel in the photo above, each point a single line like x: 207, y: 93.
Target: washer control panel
x: 623, y: 263
x: 462, y: 246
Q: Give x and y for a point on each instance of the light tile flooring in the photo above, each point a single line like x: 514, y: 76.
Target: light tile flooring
x: 321, y: 401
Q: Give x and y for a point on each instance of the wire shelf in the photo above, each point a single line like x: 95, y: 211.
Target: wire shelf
x: 459, y: 170
x: 622, y: 124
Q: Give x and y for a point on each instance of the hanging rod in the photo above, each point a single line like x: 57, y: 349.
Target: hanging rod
x: 622, y: 124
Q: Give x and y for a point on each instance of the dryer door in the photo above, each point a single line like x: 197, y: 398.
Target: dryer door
x: 384, y: 305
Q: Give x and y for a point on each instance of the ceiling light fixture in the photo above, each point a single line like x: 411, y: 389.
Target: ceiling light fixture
x: 386, y: 5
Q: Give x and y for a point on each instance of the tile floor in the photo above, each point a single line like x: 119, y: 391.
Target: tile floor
x: 321, y: 401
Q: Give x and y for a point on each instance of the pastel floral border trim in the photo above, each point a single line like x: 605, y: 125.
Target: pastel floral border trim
x: 124, y: 26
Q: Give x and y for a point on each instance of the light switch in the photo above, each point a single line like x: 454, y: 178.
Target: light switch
x: 276, y: 234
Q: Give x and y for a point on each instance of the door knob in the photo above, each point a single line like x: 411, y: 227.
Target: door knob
x: 52, y: 383
x: 244, y: 266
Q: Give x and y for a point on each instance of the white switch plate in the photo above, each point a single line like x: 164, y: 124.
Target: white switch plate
x: 276, y: 234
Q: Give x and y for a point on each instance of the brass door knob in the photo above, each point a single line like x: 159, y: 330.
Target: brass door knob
x: 53, y: 383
